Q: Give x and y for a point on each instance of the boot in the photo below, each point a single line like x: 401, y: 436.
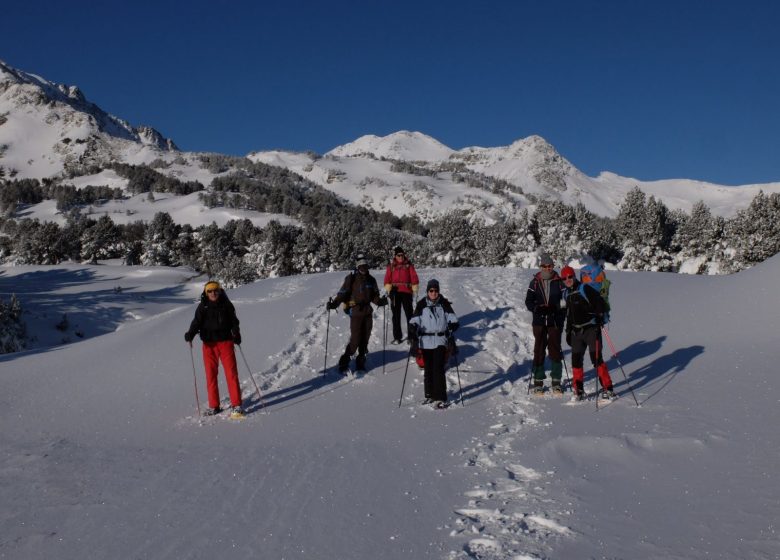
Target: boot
x: 344, y: 363
x: 360, y: 362
x: 538, y: 386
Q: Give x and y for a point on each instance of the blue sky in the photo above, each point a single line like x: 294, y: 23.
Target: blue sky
x: 647, y: 89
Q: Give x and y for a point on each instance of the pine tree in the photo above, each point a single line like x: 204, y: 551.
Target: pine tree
x: 13, y: 331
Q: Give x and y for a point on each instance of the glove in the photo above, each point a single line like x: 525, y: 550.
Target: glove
x: 236, y: 336
x: 382, y: 301
x: 188, y: 336
x: 452, y: 327
x: 412, y: 334
x: 388, y: 287
x: 568, y: 338
x: 331, y: 304
x: 599, y: 320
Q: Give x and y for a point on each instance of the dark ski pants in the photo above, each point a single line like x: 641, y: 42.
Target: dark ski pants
x: 398, y: 301
x: 361, y: 321
x: 546, y: 339
x: 213, y: 353
x: 435, y: 383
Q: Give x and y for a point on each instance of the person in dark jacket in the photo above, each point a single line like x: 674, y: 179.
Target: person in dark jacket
x: 585, y: 309
x: 401, y: 283
x: 430, y: 327
x: 357, y: 293
x: 216, y: 321
x: 543, y: 299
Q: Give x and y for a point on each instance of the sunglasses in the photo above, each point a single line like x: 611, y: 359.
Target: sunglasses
x: 568, y: 278
x: 212, y: 291
x: 436, y: 290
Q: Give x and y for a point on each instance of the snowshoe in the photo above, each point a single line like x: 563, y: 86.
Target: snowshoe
x: 538, y: 388
x: 212, y: 411
x: 427, y: 400
x: 237, y: 412
x: 608, y: 395
x: 440, y: 405
x: 557, y: 389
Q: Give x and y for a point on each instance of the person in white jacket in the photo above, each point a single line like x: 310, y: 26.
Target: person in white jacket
x: 432, y: 322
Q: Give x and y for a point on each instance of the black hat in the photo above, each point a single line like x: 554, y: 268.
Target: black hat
x: 432, y: 283
x: 360, y: 260
x: 398, y: 249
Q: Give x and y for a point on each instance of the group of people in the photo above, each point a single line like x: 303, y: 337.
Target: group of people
x: 557, y: 302
x: 429, y: 324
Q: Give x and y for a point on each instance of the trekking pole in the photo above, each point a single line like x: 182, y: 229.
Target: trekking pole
x: 252, y: 377
x: 566, y: 369
x: 617, y: 359
x: 403, y: 385
x: 460, y: 387
x: 327, y: 333
x: 384, y: 337
x: 598, y: 379
x: 195, y: 379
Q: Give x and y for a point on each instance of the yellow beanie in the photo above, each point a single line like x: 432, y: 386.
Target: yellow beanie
x: 211, y: 285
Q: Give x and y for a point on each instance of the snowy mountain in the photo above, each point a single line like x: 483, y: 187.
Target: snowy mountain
x: 103, y: 455
x: 48, y: 128
x: 492, y: 182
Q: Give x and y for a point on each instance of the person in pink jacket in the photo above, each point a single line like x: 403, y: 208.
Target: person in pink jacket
x: 401, y: 284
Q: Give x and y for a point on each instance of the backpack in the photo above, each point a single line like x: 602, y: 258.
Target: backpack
x: 595, y: 276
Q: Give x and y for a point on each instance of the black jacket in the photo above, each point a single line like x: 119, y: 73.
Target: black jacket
x: 215, y: 321
x: 583, y: 311
x: 546, y: 308
x: 358, y: 292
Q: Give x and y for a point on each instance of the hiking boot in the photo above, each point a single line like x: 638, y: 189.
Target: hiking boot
x: 438, y: 405
x: 236, y: 412
x: 360, y: 362
x: 427, y: 400
x: 212, y: 411
x: 556, y: 389
x: 538, y: 387
x: 397, y: 341
x: 344, y: 363
x: 579, y: 396
x: 608, y: 394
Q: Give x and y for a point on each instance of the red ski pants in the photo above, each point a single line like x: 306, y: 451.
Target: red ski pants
x: 213, y: 353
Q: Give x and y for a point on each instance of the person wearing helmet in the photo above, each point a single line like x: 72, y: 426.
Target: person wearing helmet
x: 585, y: 310
x: 216, y: 321
x: 358, y: 291
x: 543, y: 299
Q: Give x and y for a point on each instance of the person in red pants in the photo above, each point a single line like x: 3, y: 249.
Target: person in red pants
x: 216, y: 321
x: 585, y: 310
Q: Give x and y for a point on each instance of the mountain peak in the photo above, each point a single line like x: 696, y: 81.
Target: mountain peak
x: 403, y: 145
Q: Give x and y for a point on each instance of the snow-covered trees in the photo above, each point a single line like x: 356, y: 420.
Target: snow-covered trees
x: 13, y: 331
x: 753, y: 235
x: 645, y: 230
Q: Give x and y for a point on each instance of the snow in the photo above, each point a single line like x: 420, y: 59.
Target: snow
x: 102, y: 455
x: 186, y: 209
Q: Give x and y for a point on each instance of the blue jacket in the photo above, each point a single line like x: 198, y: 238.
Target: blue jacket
x: 432, y: 322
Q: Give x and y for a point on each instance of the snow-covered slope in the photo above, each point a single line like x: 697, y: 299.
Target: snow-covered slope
x: 51, y: 130
x: 359, y: 172
x: 46, y: 128
x: 102, y: 455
